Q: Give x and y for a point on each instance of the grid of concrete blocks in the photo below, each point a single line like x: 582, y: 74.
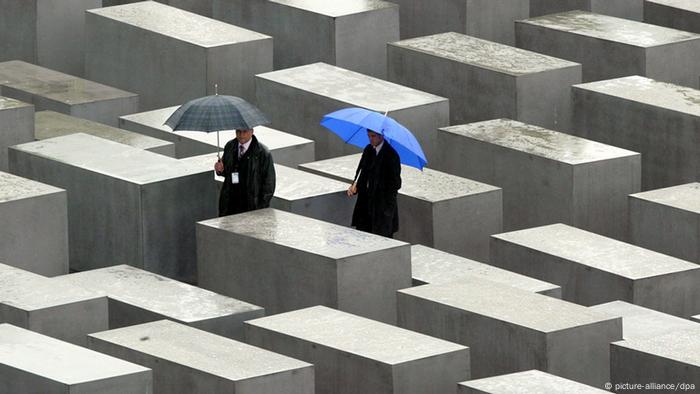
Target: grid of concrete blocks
x: 551, y: 245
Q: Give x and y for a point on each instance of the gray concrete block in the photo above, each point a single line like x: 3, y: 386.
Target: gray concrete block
x: 296, y: 100
x: 286, y: 149
x: 532, y: 381
x: 282, y: 261
x: 677, y: 14
x: 642, y: 323
x: 628, y: 9
x: 659, y: 120
x: 121, y: 200
x: 187, y: 360
x: 17, y: 71
x: 435, y: 266
x: 34, y: 230
x: 351, y: 34
x: 59, y: 310
x: 136, y: 296
x: 47, y: 33
x: 34, y: 363
x: 201, y: 7
x: 510, y: 330
x: 50, y: 124
x: 593, y: 269
x: 546, y: 176
x: 667, y: 221
x: 610, y: 47
x: 352, y: 354
x: 436, y: 209
x: 487, y: 80
x: 16, y: 126
x: 696, y: 318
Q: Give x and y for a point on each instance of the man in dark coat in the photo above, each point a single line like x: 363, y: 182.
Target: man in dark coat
x: 249, y: 175
x: 376, y: 187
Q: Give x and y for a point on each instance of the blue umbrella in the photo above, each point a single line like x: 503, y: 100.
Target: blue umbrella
x: 351, y: 125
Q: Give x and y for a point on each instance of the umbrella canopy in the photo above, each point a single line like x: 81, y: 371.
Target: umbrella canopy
x: 351, y: 125
x: 214, y: 113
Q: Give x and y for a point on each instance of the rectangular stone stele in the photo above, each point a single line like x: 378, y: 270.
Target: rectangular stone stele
x: 286, y: 149
x: 628, y: 9
x: 436, y: 209
x: 592, y: 269
x: 678, y: 14
x: 511, y: 330
x: 34, y: 363
x: 352, y: 354
x: 187, y: 360
x: 610, y: 47
x: 194, y: 54
x: 296, y: 99
x: 137, y: 296
x: 546, y: 176
x: 62, y: 311
x: 635, y: 113
x: 282, y: 262
x: 434, y: 266
x: 667, y: 362
x: 34, y: 229
x: 50, y: 90
x: 201, y: 7
x: 696, y: 318
x: 487, y: 80
x: 532, y: 381
x: 16, y: 125
x: 351, y: 34
x: 642, y: 323
x: 50, y: 124
x: 121, y: 200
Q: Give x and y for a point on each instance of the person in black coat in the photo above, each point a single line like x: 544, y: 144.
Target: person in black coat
x: 249, y: 175
x: 377, y: 181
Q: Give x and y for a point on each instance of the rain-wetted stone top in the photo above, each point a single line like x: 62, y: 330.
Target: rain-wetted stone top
x: 596, y: 251
x: 641, y: 323
x: 611, y: 29
x: 688, y: 5
x: 15, y: 71
x: 501, y: 302
x: 200, y: 350
x: 350, y: 87
x: 9, y: 103
x: 650, y: 92
x: 293, y: 184
x: 317, y: 237
x: 49, y: 124
x: 681, y: 345
x: 538, y: 141
x: 157, y: 293
x: 13, y: 187
x: 70, y: 91
x: 109, y: 158
x: 434, y: 266
x: 428, y: 185
x: 356, y: 335
x: 335, y: 9
x: 178, y: 24
x: 485, y: 54
x: 532, y: 381
x: 58, y: 360
x: 686, y: 197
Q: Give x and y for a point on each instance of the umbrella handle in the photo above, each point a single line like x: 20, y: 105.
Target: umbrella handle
x: 218, y: 156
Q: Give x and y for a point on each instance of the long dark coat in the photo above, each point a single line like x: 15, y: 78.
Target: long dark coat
x: 256, y: 176
x: 376, y: 210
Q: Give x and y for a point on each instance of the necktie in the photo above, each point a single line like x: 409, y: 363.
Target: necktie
x: 241, y: 150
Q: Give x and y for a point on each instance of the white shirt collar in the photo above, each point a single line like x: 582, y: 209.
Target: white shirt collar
x: 245, y: 146
x: 378, y: 147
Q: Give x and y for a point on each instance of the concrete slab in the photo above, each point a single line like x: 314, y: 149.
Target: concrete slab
x: 696, y: 318
x: 677, y: 14
x: 16, y: 125
x: 659, y: 120
x: 546, y: 176
x: 201, y: 7
x: 351, y: 34
x: 642, y: 323
x: 137, y: 296
x: 628, y: 9
x: 17, y: 71
x: 344, y: 347
x: 610, y: 47
x: 286, y: 149
x: 593, y: 269
x: 129, y: 194
x: 487, y: 80
x: 434, y: 266
x: 50, y: 124
x: 532, y: 381
x: 510, y: 330
x: 186, y: 360
x: 24, y: 365
x: 193, y: 53
x: 296, y: 99
x: 265, y: 258
x: 34, y: 231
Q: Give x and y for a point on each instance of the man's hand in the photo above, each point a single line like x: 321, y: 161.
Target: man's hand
x: 219, y: 166
x: 352, y: 190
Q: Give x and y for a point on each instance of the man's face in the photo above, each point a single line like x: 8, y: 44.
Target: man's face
x: 374, y: 138
x: 243, y: 136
